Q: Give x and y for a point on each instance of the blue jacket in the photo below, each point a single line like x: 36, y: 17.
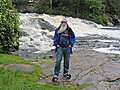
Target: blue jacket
x: 70, y: 34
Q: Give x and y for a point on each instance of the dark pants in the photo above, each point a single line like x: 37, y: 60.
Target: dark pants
x: 62, y: 52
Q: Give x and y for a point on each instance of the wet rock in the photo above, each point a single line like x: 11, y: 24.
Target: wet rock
x: 25, y: 34
x: 42, y: 24
x: 50, y: 36
x: 51, y: 57
x: 112, y: 70
x: 29, y: 55
x: 43, y: 33
x: 94, y: 41
x: 102, y: 44
x: 23, y: 67
x: 110, y: 24
x: 46, y: 25
x: 1, y: 65
x: 92, y: 24
x: 31, y: 39
x: 107, y: 86
x: 45, y: 80
x: 92, y: 87
x: 115, y: 21
x: 31, y: 45
x: 29, y: 50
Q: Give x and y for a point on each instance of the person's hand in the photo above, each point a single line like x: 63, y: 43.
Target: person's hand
x: 57, y: 45
x: 70, y: 46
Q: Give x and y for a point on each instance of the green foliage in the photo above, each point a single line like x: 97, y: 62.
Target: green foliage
x: 93, y: 10
x: 82, y: 86
x: 116, y: 56
x: 11, y: 59
x: 98, y: 19
x: 36, y: 59
x: 46, y: 58
x: 42, y: 6
x: 113, y: 7
x: 9, y: 27
x: 22, y: 80
x: 102, y: 64
x: 86, y: 9
x: 21, y: 2
x: 94, y: 6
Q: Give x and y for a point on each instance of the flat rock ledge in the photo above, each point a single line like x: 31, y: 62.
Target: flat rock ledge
x: 23, y: 67
x: 100, y: 70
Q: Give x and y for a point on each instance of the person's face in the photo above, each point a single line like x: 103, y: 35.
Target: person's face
x: 63, y: 24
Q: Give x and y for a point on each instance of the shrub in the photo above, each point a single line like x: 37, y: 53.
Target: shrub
x: 21, y: 2
x: 42, y: 7
x: 9, y: 27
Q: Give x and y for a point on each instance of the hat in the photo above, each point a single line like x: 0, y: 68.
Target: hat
x: 64, y: 21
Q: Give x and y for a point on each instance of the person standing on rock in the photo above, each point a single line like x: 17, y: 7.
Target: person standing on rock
x: 64, y: 40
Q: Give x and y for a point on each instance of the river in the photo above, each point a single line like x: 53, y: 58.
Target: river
x: 39, y: 31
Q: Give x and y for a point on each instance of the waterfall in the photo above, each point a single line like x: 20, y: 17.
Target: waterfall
x: 39, y: 31
x: 35, y: 39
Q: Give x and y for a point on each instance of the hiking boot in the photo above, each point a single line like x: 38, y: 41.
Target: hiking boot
x: 55, y: 78
x: 67, y: 75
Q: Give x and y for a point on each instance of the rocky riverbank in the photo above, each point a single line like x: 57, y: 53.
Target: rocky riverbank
x: 89, y: 42
x: 87, y: 66
x: 100, y: 70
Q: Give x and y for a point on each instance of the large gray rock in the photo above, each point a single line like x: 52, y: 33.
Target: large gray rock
x: 112, y: 70
x: 87, y: 66
x: 23, y: 67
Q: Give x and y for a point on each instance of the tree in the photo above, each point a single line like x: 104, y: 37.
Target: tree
x: 20, y: 2
x: 50, y: 1
x: 9, y: 27
x: 86, y: 9
x: 113, y: 7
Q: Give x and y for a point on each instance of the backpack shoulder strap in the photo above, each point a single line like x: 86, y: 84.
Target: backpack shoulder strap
x: 69, y: 30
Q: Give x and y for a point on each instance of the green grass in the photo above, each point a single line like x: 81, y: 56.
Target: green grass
x: 46, y: 58
x: 102, y: 64
x: 19, y: 80
x: 82, y: 86
x: 116, y: 56
x: 10, y: 59
x: 23, y: 80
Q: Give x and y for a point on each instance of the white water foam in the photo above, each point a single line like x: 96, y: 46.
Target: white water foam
x: 109, y: 50
x: 44, y: 43
x: 36, y: 37
x: 79, y: 27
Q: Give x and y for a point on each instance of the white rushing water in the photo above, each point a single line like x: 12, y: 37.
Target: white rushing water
x: 36, y: 37
x: 40, y: 41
